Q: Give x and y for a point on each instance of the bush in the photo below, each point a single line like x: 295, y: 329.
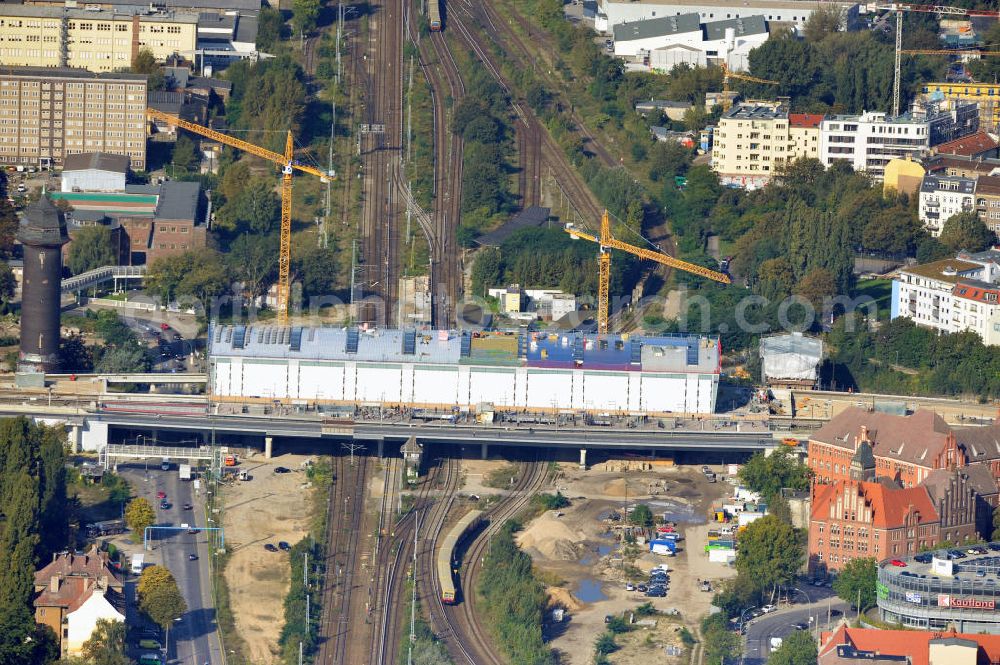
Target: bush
x: 550, y: 501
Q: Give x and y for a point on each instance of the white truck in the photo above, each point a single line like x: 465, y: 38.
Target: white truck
x: 185, y: 471
x: 137, y: 562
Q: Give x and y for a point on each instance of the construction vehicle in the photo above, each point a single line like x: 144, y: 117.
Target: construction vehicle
x: 728, y: 74
x: 607, y: 242
x: 288, y: 165
x: 229, y: 460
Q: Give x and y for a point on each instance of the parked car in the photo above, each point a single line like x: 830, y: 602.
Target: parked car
x: 161, y: 495
x: 164, y: 505
x: 956, y: 554
x: 270, y: 548
x: 629, y: 586
x: 924, y: 557
x: 192, y: 557
x: 898, y: 563
x: 994, y: 546
x: 801, y: 625
x: 281, y: 469
x: 150, y: 644
x: 767, y: 609
x: 656, y: 593
x: 642, y: 588
x: 283, y: 546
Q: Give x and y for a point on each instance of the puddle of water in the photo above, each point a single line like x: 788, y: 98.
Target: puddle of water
x: 595, y: 552
x: 589, y: 591
x: 674, y: 512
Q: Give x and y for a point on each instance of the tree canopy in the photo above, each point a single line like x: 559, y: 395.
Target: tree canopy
x: 858, y: 578
x: 106, y: 645
x: 769, y: 553
x: 965, y: 231
x: 139, y: 514
x: 91, y: 248
x: 769, y: 474
x: 159, y: 596
x: 798, y: 648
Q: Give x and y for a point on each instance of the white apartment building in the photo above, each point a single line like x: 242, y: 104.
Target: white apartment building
x: 793, y: 13
x: 870, y: 140
x: 754, y: 139
x: 952, y: 295
x: 944, y: 196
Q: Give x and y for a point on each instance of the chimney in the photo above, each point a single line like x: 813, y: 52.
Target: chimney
x: 864, y: 433
x: 54, y: 584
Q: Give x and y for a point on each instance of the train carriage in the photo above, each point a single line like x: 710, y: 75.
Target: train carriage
x: 446, y: 560
x: 434, y: 14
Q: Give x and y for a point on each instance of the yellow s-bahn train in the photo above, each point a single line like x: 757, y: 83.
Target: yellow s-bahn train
x: 447, y: 564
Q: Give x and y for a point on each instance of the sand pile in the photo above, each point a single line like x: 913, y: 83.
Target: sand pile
x: 550, y: 538
x: 559, y: 597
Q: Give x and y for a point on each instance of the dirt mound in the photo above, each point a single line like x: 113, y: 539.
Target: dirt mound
x: 559, y: 597
x: 550, y: 538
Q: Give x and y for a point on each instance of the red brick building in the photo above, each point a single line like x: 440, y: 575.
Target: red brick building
x: 853, y: 519
x: 906, y: 448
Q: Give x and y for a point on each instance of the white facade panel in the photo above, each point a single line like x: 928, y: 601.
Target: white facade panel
x: 490, y: 384
x: 220, y: 378
x: 663, y: 392
x: 378, y: 383
x: 436, y: 386
x: 265, y: 378
x: 350, y: 380
x: 606, y: 390
x: 406, y: 387
x: 321, y: 381
x: 579, y: 390
x: 549, y: 389
x: 521, y: 386
x: 634, y: 391
x: 691, y: 393
x: 706, y: 396
x: 463, y: 397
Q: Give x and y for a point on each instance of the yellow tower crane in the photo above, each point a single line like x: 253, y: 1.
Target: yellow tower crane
x: 288, y: 165
x: 727, y: 74
x: 606, y: 242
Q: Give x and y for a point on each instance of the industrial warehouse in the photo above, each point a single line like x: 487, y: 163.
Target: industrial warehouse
x: 466, y: 370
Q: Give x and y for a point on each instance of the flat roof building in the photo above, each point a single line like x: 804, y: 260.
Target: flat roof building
x: 869, y: 141
x: 47, y: 114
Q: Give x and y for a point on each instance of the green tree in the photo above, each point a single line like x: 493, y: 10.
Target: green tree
x: 965, y: 231
x: 721, y: 644
x: 254, y: 208
x: 185, y: 155
x: 996, y: 524
x: 162, y: 601
x: 106, y: 645
x: 304, y: 14
x: 823, y: 22
x: 770, y: 552
x: 799, y: 648
x: 122, y: 360
x: 206, y: 276
x: 316, y: 269
x: 816, y: 286
x: 270, y: 29
x: 858, y: 578
x: 487, y: 271
x: 139, y: 514
x: 605, y: 644
x: 253, y: 261
x: 8, y: 283
x: 91, y: 248
x: 9, y: 223
x: 75, y: 355
x: 145, y: 63
x: 641, y: 515
x: 769, y: 474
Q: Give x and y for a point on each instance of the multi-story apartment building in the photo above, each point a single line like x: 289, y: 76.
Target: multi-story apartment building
x: 988, y: 201
x: 101, y: 41
x: 985, y: 94
x: 870, y: 140
x: 48, y: 113
x: 755, y: 139
x: 952, y: 295
x: 944, y: 196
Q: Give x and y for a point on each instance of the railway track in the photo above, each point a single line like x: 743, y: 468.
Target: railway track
x: 465, y: 618
x: 343, y: 536
x: 381, y: 153
x: 387, y: 557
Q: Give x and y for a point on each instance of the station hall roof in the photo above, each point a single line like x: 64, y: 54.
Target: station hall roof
x: 674, y: 353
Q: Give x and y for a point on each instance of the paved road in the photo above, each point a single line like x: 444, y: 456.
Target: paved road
x: 826, y: 609
x: 194, y: 640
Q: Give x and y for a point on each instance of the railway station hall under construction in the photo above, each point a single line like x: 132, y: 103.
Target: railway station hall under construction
x: 466, y: 370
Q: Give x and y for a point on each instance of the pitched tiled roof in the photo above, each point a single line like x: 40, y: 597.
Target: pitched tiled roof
x: 977, y: 291
x: 980, y: 443
x: 804, y: 119
x: 979, y: 478
x: 916, y: 438
x: 912, y: 643
x: 889, y: 505
x: 68, y: 565
x: 971, y: 145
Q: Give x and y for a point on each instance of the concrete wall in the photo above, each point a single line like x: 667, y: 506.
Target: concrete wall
x: 463, y: 385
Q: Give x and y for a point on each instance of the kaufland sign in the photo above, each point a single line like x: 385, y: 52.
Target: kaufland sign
x: 945, y: 600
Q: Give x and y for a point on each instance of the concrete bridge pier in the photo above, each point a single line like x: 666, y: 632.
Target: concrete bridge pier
x: 484, y: 451
x: 268, y: 443
x: 381, y: 448
x: 75, y: 436
x: 583, y: 459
